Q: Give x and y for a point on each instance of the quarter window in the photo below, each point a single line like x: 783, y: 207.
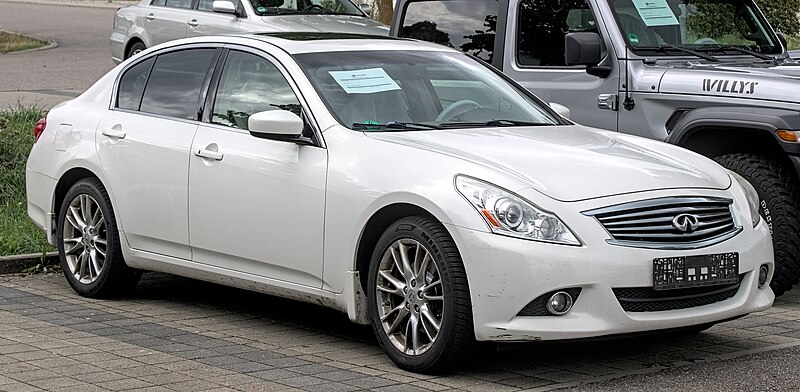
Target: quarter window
x: 159, y: 2
x: 542, y: 25
x: 175, y: 82
x: 467, y: 25
x: 179, y: 3
x: 250, y: 84
x: 131, y: 85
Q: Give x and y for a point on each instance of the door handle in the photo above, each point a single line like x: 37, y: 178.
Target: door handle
x: 208, y: 154
x: 150, y: 16
x: 113, y: 133
x: 193, y: 23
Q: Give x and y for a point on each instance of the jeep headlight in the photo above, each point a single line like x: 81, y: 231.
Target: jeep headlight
x: 509, y: 214
x: 752, y: 197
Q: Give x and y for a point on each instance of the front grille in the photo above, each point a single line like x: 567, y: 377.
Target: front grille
x: 645, y: 299
x: 655, y: 223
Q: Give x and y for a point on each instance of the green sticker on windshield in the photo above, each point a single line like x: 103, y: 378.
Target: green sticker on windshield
x: 633, y: 39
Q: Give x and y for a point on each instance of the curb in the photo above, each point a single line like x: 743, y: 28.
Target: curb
x: 51, y: 44
x: 19, y: 263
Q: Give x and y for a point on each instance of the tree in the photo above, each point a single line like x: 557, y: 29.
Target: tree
x: 782, y: 14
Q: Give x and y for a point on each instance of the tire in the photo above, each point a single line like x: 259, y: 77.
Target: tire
x: 137, y: 47
x: 92, y: 259
x: 779, y: 206
x: 447, y: 302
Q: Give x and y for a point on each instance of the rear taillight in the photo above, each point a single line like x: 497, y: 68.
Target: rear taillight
x: 38, y: 130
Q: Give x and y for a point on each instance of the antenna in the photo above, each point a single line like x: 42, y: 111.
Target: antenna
x: 628, y: 103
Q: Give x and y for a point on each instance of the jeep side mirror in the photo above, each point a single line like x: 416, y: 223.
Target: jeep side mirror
x: 587, y: 49
x: 782, y: 38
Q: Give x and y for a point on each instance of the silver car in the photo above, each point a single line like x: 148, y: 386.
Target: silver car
x: 151, y: 22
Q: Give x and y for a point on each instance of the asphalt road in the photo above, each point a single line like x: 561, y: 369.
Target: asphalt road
x: 82, y: 57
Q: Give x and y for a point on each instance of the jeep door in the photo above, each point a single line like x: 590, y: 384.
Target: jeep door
x: 534, y: 56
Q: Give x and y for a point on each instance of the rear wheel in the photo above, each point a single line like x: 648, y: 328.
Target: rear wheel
x: 88, y: 243
x: 135, y: 49
x: 779, y: 206
x: 419, y: 297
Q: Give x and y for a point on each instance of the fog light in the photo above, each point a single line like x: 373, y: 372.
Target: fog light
x: 559, y: 303
x: 763, y: 273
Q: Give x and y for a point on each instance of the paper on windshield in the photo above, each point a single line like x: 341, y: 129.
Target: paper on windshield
x: 655, y: 12
x: 364, y: 81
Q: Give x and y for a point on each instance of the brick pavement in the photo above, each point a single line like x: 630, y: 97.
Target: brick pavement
x: 176, y: 334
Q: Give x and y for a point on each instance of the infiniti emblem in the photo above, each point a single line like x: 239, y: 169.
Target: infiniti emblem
x: 686, y: 223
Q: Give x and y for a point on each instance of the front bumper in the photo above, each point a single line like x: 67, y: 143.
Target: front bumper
x: 505, y: 274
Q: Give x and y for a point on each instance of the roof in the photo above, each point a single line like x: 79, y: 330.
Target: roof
x: 312, y: 42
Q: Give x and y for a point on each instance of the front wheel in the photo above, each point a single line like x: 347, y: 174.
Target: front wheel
x: 88, y: 243
x: 419, y: 296
x: 779, y: 200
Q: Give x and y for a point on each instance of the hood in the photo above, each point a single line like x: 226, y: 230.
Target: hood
x: 762, y: 81
x: 571, y: 163
x: 326, y: 23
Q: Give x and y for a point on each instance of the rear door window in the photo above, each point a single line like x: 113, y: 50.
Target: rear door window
x: 131, y: 85
x: 173, y: 88
x: 466, y: 25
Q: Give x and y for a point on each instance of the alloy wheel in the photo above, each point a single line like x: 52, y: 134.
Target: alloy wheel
x: 85, y: 239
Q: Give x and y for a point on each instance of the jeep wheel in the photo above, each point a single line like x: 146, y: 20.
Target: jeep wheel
x: 779, y: 198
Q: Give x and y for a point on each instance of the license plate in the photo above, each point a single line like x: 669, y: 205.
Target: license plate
x: 695, y: 271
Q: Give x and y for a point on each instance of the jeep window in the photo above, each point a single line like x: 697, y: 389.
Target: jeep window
x: 327, y: 7
x: 542, y: 25
x: 418, y: 90
x: 717, y: 26
x: 467, y: 25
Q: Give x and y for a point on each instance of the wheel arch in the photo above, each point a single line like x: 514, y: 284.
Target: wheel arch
x: 717, y: 131
x: 130, y: 43
x: 65, y: 182
x: 374, y: 228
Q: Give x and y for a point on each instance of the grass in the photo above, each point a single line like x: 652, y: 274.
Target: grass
x: 792, y: 42
x: 18, y: 235
x: 12, y: 42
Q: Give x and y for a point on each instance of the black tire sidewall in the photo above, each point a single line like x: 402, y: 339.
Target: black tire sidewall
x: 133, y: 48
x: 98, y: 193
x: 430, y: 360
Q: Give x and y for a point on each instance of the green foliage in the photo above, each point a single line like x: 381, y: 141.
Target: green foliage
x: 782, y: 14
x: 18, y: 234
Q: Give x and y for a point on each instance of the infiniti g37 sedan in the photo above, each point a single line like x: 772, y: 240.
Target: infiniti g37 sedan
x: 401, y: 182
x: 152, y: 22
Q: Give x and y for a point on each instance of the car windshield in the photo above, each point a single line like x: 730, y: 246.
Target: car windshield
x: 419, y: 90
x: 282, y: 7
x: 705, y: 27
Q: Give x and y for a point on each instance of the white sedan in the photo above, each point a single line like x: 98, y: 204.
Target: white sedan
x: 401, y: 182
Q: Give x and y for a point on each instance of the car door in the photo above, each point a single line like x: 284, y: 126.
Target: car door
x: 534, y: 57
x: 144, y: 146
x: 204, y: 21
x: 165, y: 20
x: 256, y: 206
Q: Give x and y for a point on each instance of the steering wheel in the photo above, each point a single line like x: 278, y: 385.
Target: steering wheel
x: 315, y: 6
x: 456, y: 108
x: 705, y: 41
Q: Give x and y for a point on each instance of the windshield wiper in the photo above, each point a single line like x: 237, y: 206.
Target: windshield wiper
x: 723, y: 48
x: 664, y: 48
x: 407, y: 126
x: 492, y: 123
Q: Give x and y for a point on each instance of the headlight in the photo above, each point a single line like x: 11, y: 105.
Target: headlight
x: 509, y: 214
x: 752, y: 197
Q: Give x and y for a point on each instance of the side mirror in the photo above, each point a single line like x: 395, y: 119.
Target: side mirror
x: 223, y: 7
x: 280, y: 125
x: 587, y: 49
x: 366, y: 8
x: 560, y: 109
